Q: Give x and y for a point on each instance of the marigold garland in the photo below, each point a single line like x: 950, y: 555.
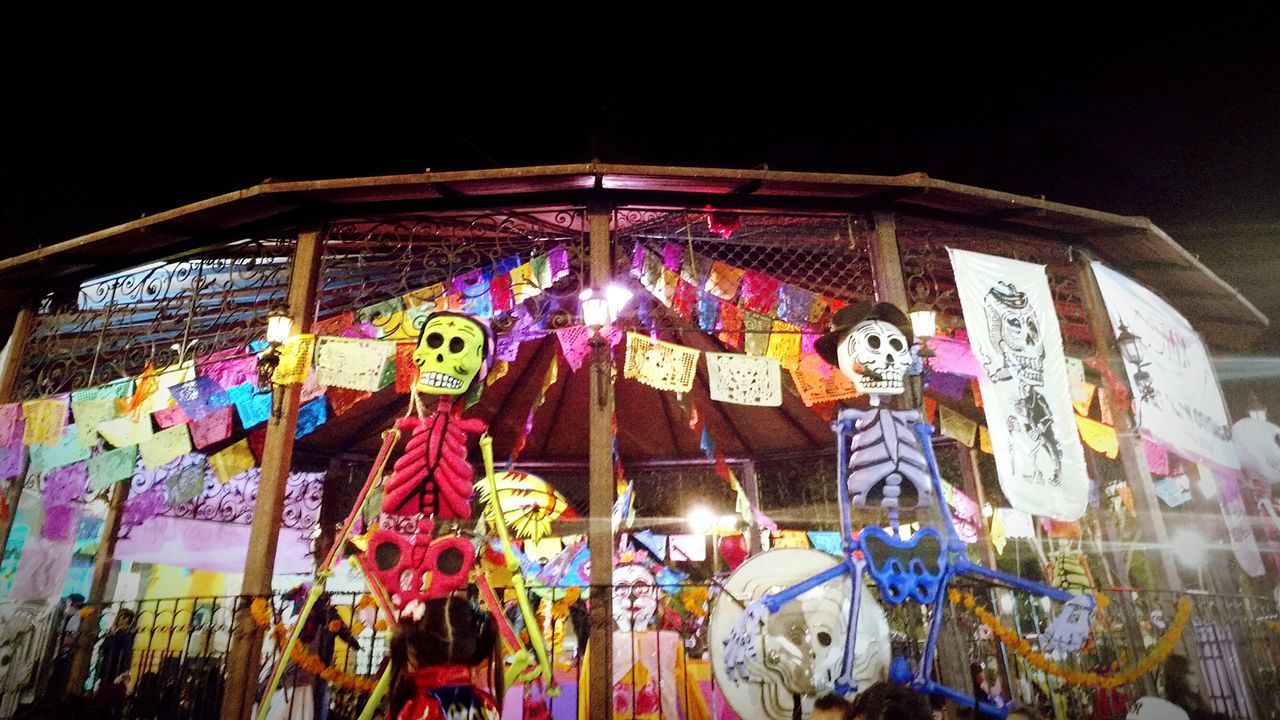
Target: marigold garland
x: 1014, y: 641
x: 260, y: 610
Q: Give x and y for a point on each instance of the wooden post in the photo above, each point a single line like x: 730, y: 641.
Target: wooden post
x: 245, y: 654
x: 891, y: 287
x: 22, y: 325
x: 751, y: 486
x: 601, y: 484
x: 972, y: 477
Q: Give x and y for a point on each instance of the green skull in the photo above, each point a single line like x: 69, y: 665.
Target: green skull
x: 452, y: 350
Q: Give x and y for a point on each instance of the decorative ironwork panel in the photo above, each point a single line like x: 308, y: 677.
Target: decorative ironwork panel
x: 379, y: 268
x: 825, y: 256
x: 163, y: 314
x: 229, y: 502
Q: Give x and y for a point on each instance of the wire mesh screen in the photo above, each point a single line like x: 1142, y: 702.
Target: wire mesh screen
x: 161, y: 314
x: 502, y: 266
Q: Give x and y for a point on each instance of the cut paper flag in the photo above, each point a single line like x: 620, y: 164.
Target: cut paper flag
x: 1157, y: 457
x: 45, y: 420
x: 342, y: 400
x: 380, y: 314
x: 311, y: 416
x: 1102, y: 438
x: 333, y: 325
x: 165, y: 446
x: 68, y: 450
x: 998, y: 538
x: 231, y: 461
x: 790, y: 539
x: 88, y: 414
x: 984, y: 439
x: 744, y: 380
x: 170, y: 416
x: 672, y: 256
x: 1082, y: 397
x: 708, y: 312
x: 759, y: 292
x: 952, y: 355
x: 688, y: 547
x: 406, y: 370
x: 11, y: 426
x: 661, y: 365
x: 199, y: 397
x: 11, y: 460
x: 228, y: 368
x: 188, y: 482
x: 733, y: 548
x: 684, y: 303
x: 575, y: 345
x: 817, y: 383
x: 212, y: 428
x: 60, y: 521
x: 1173, y: 492
x: 827, y: 541
x: 295, y: 360
x: 796, y: 306
x: 65, y: 485
x: 126, y: 430
x: 957, y: 426
x: 723, y: 280
x: 164, y: 381
x: 112, y: 466
x: 42, y: 569
x: 351, y: 364
x: 784, y: 344
x: 252, y: 406
x: 756, y: 329
x: 144, y: 388
x: 655, y: 543
x: 967, y: 514
x: 731, y: 326
x: 1017, y: 524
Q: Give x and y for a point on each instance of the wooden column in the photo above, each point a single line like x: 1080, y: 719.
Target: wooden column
x: 891, y: 287
x: 22, y: 326
x: 972, y: 477
x: 751, y: 486
x: 601, y: 484
x: 245, y: 654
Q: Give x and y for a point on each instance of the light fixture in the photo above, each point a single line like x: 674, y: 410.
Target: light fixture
x: 701, y: 520
x: 601, y: 308
x: 924, y: 322
x: 1189, y: 548
x: 727, y: 524
x: 1130, y: 346
x: 279, y: 326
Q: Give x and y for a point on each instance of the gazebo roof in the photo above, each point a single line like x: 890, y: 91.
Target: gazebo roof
x: 1133, y: 244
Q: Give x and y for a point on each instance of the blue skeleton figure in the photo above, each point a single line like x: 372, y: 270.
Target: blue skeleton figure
x: 885, y: 457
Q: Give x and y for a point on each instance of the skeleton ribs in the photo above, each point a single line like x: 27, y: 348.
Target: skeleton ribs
x: 884, y: 452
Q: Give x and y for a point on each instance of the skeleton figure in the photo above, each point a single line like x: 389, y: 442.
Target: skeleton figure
x: 1014, y: 329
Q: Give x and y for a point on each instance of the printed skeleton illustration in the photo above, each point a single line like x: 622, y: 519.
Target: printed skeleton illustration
x: 1015, y: 330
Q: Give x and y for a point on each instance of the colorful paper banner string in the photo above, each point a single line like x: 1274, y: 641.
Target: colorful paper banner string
x: 744, y: 380
x: 575, y: 345
x: 1102, y: 438
x: 165, y: 446
x: 796, y: 305
x: 65, y: 485
x: 957, y: 426
x: 1157, y: 457
x: 199, y: 397
x: 45, y: 420
x: 212, y: 428
x: 756, y: 328
x: 351, y: 364
x: 342, y: 400
x: 817, y: 383
x: 708, y: 312
x: 231, y: 461
x: 684, y: 303
x: 188, y: 482
x: 759, y: 292
x: 90, y: 413
x: 68, y: 450
x: 661, y: 365
x: 295, y: 360
x: 228, y: 368
x: 731, y: 327
x: 111, y: 466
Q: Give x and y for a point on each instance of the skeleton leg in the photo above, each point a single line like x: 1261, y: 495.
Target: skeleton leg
x: 846, y: 684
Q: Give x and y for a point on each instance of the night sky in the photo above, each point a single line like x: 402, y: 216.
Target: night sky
x: 1175, y: 119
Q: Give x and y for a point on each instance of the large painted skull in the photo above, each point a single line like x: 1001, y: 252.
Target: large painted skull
x: 875, y: 355
x: 635, y: 597
x: 453, y: 353
x: 803, y: 643
x: 1015, y: 329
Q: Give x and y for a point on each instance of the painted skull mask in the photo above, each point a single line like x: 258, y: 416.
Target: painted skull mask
x: 453, y: 353
x: 875, y: 355
x: 635, y: 598
x: 1015, y: 329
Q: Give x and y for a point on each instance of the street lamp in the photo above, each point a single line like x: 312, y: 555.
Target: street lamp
x: 603, y: 307
x: 1131, y: 351
x: 279, y: 329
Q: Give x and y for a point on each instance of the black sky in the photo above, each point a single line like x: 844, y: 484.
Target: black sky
x: 1177, y: 119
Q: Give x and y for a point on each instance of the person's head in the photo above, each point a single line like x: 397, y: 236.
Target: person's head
x: 124, y: 619
x: 830, y: 707
x: 887, y: 701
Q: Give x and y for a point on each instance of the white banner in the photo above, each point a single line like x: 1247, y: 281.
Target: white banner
x: 1014, y: 333
x: 1177, y: 399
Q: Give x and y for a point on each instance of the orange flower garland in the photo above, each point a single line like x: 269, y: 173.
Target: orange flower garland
x: 260, y: 609
x: 1012, y: 640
